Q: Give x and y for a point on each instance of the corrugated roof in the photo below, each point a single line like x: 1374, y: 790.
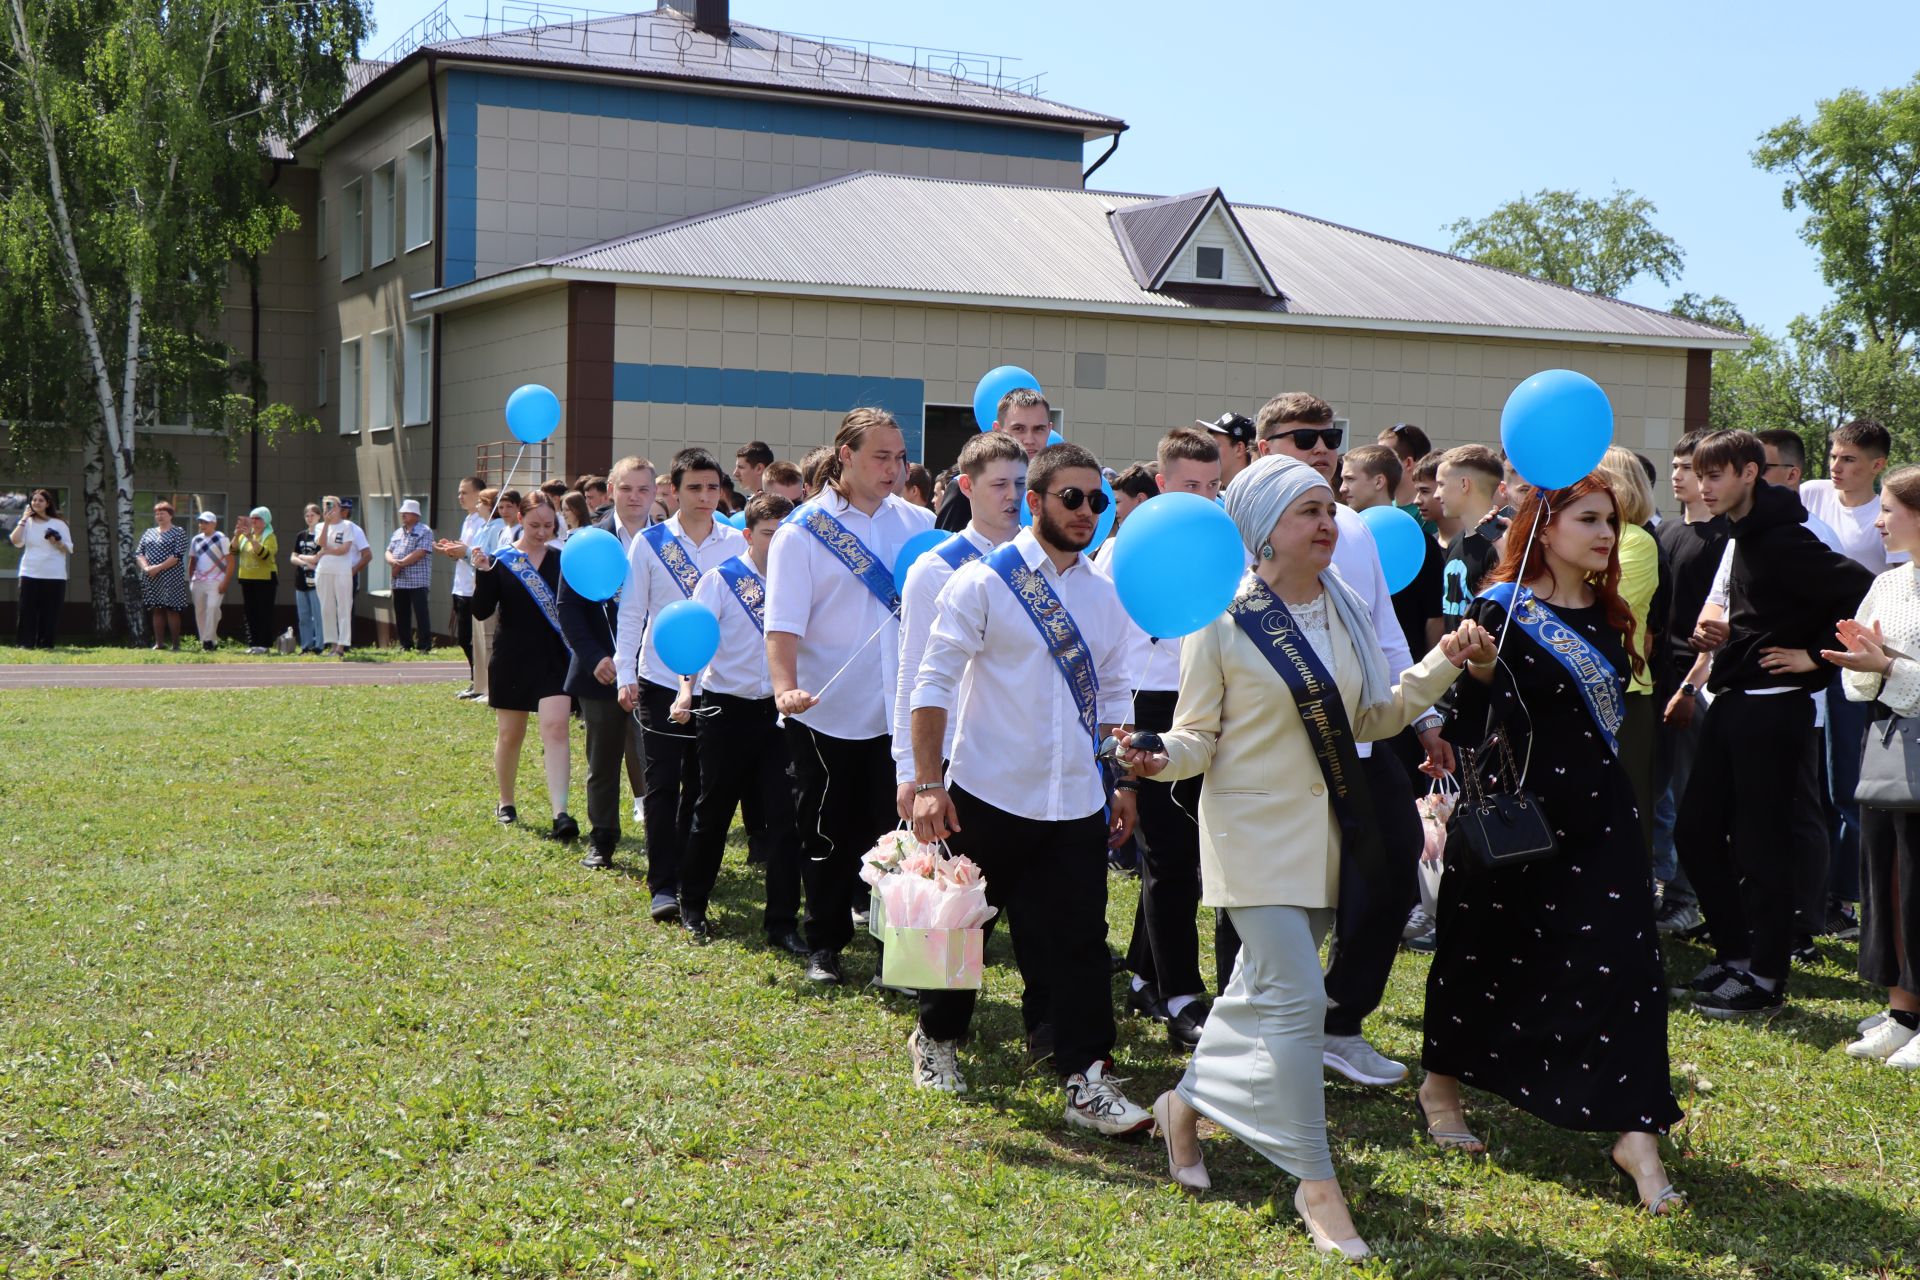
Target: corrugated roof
x: 1151, y: 232
x: 663, y: 43
x: 940, y: 236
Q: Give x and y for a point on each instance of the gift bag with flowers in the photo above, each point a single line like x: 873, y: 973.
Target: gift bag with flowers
x: 927, y: 912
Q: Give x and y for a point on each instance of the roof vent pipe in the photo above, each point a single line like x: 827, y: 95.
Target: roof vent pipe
x: 710, y: 17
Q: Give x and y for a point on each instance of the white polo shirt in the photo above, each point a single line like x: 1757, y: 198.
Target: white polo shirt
x: 651, y: 587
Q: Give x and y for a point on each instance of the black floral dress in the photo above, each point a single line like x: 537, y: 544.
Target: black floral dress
x: 1547, y: 987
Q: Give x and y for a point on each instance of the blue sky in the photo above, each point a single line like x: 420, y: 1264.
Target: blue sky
x: 1398, y: 118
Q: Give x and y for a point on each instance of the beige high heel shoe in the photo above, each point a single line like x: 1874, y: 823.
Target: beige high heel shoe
x: 1188, y: 1177
x: 1352, y: 1249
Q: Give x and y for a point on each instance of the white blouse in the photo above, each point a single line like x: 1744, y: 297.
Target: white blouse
x: 1894, y: 602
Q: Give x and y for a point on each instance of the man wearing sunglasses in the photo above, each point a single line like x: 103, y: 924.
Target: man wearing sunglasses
x: 1029, y: 652
x: 1371, y: 916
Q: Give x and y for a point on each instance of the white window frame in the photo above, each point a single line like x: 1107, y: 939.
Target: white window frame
x: 379, y: 516
x: 380, y: 375
x: 384, y: 205
x: 321, y: 391
x: 416, y: 378
x: 320, y: 230
x: 420, y: 194
x: 350, y: 383
x: 353, y: 230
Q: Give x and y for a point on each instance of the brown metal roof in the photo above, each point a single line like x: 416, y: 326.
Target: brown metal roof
x: 972, y: 240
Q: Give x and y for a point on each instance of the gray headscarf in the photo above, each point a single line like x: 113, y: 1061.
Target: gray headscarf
x: 1256, y: 500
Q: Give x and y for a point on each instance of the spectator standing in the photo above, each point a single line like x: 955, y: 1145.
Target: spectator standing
x: 468, y: 495
x: 919, y: 490
x: 306, y: 597
x: 256, y: 552
x: 1131, y: 488
x: 410, y: 554
x: 45, y: 543
x: 333, y: 576
x: 750, y: 463
x: 207, y: 578
x: 162, y: 556
x: 783, y: 480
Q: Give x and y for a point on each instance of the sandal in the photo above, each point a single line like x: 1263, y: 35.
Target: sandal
x: 1460, y: 1139
x: 1656, y: 1207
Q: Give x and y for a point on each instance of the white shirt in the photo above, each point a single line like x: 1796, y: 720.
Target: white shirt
x: 812, y: 595
x: 463, y: 569
x: 1020, y: 745
x: 918, y: 604
x: 38, y: 557
x: 1721, y: 593
x: 1859, y: 540
x: 344, y: 533
x: 1357, y: 557
x: 627, y: 535
x: 739, y: 666
x: 651, y: 588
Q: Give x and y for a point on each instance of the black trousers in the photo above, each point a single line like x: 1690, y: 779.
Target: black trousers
x: 41, y: 600
x: 1371, y: 913
x: 1737, y: 831
x: 463, y: 628
x: 1165, y: 949
x: 1890, y: 898
x: 673, y: 785
x: 610, y: 735
x: 1049, y: 880
x: 843, y: 801
x: 410, y: 613
x: 256, y: 605
x: 743, y: 752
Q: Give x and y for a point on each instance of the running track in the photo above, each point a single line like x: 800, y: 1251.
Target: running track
x: 226, y: 675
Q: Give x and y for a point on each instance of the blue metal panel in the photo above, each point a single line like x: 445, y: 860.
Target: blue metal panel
x: 905, y: 398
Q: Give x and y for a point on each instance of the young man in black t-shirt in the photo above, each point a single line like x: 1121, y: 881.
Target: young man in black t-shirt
x: 1470, y: 477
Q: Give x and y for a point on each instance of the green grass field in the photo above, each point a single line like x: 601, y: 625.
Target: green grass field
x: 282, y: 1000
x: 230, y: 650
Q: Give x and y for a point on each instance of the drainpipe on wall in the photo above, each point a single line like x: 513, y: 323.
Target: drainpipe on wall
x: 439, y: 263
x: 1105, y: 156
x: 258, y: 383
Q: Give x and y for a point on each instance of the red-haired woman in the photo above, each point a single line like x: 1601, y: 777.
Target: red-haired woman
x: 1547, y: 987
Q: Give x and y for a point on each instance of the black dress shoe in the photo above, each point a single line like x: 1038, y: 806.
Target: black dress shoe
x: 565, y: 829
x: 699, y: 932
x: 823, y: 967
x: 790, y: 942
x: 1145, y: 1002
x: 506, y: 815
x: 1184, y: 1027
x: 597, y: 859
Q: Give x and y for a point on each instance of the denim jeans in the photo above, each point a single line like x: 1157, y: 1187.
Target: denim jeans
x: 1673, y: 766
x: 306, y: 605
x: 1846, y: 732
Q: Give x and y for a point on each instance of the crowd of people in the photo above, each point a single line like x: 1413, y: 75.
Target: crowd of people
x: 1678, y: 706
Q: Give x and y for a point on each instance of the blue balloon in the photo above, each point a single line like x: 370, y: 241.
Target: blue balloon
x: 686, y: 635
x: 738, y: 519
x: 1101, y: 528
x: 916, y: 546
x: 533, y: 412
x: 1177, y: 564
x: 1555, y: 426
x: 994, y: 384
x: 1054, y: 438
x: 1402, y: 544
x: 593, y: 563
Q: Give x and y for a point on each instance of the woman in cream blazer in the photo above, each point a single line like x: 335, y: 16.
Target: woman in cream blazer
x: 1269, y: 834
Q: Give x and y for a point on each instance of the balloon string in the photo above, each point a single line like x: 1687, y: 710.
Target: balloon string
x: 508, y: 482
x: 849, y: 662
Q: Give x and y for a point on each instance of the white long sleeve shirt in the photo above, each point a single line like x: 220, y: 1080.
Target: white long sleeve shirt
x: 1357, y: 557
x: 1019, y: 744
x: 812, y: 595
x: 739, y: 666
x: 651, y: 588
x: 918, y: 604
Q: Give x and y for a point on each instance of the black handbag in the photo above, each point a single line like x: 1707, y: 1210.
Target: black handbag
x: 1495, y: 827
x: 1890, y: 765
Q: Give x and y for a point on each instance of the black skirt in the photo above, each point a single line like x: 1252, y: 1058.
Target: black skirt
x: 529, y: 659
x: 1889, y: 898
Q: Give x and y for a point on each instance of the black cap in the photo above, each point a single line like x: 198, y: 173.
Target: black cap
x: 1237, y: 427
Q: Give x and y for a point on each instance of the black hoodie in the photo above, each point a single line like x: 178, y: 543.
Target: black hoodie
x: 1787, y: 588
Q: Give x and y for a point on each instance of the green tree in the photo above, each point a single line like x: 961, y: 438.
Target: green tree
x: 1855, y: 170
x: 1601, y: 246
x: 133, y: 172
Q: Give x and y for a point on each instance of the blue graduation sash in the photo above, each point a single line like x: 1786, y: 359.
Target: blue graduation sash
x: 747, y: 589
x: 1268, y: 623
x: 1599, y: 684
x: 845, y: 547
x: 1057, y: 630
x: 516, y: 562
x: 957, y: 550
x: 680, y: 566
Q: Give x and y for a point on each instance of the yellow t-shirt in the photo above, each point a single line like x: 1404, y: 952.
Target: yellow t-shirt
x: 1639, y: 579
x: 257, y: 556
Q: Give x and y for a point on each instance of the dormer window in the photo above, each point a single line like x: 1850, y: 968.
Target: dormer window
x: 1209, y: 263
x: 1191, y: 240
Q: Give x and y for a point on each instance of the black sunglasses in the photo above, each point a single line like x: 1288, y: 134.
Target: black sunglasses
x: 1304, y: 437
x: 1071, y: 498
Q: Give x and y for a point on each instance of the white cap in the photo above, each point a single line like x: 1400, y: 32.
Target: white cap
x: 411, y: 507
x: 207, y: 517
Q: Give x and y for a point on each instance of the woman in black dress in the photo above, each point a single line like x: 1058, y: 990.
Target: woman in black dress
x: 1547, y: 987
x: 527, y: 668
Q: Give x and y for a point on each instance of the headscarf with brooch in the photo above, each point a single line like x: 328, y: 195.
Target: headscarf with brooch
x: 1256, y: 500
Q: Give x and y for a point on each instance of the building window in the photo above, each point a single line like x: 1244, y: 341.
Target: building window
x: 1210, y: 263
x: 417, y: 377
x: 378, y: 520
x: 350, y: 388
x: 320, y: 229
x: 320, y: 387
x: 380, y: 382
x: 420, y: 194
x: 353, y: 220
x: 384, y: 227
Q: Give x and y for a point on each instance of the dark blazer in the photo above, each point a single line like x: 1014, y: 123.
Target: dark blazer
x: 588, y: 626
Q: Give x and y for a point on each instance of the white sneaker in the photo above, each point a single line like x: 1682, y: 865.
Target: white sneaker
x: 1882, y: 1042
x: 1871, y: 1021
x: 1094, y: 1101
x: 936, y: 1064
x: 1360, y: 1062
x: 639, y: 810
x: 1908, y: 1059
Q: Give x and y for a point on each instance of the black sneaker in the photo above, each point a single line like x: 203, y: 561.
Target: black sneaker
x: 1677, y: 916
x: 1145, y: 1002
x: 597, y: 859
x: 1739, y: 997
x: 565, y: 829
x: 506, y: 815
x: 823, y: 967
x: 789, y: 941
x: 699, y: 932
x: 1842, y: 922
x: 1708, y: 979
x: 1804, y: 950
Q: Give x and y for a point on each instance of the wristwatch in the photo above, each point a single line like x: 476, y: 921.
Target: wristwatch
x: 1690, y: 689
x: 1426, y: 722
x: 919, y: 787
